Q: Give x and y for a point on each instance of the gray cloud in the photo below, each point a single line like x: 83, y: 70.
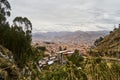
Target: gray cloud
x: 63, y: 15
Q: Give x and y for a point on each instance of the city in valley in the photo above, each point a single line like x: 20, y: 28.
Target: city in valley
x: 59, y: 39
x: 59, y: 45
x: 71, y: 41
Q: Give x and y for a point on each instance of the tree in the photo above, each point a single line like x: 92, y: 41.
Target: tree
x: 65, y: 48
x: 25, y: 24
x: 21, y: 47
x: 75, y: 58
x: 4, y: 11
x: 17, y: 38
x: 42, y: 48
x: 98, y: 41
x: 60, y: 48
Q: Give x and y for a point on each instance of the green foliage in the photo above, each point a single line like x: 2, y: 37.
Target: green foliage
x: 17, y: 38
x: 115, y: 67
x: 24, y: 24
x: 4, y: 11
x: 8, y: 69
x: 93, y: 69
x: 98, y: 41
x: 101, y: 70
x: 65, y: 48
x: 14, y: 37
x: 65, y: 72
x: 111, y: 32
x: 42, y: 48
x: 76, y: 58
x: 16, y: 41
x: 108, y: 46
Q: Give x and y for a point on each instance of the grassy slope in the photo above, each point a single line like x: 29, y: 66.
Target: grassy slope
x: 110, y: 43
x: 8, y: 68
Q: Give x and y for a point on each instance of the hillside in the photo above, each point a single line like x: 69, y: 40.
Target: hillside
x: 75, y: 37
x: 8, y: 68
x: 110, y: 45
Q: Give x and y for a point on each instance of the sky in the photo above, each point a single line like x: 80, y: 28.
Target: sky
x: 68, y: 15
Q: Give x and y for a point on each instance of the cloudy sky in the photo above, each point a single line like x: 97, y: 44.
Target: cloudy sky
x: 68, y: 15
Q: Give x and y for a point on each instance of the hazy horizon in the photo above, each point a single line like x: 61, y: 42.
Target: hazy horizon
x: 70, y: 31
x: 68, y: 15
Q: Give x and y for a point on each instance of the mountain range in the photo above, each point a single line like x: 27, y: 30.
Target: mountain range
x: 66, y: 36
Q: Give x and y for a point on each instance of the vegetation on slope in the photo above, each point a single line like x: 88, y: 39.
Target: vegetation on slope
x: 109, y: 45
x: 17, y: 39
x: 84, y: 69
x: 8, y: 69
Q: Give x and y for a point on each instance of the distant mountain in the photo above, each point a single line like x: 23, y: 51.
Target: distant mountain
x: 75, y: 37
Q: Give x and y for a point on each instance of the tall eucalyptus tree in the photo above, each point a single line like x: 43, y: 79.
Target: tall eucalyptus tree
x: 25, y: 24
x: 4, y: 11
